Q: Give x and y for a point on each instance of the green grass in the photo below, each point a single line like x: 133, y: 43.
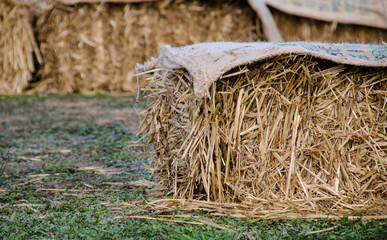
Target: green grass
x: 41, y: 127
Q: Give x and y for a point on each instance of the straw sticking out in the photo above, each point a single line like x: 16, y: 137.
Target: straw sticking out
x: 291, y: 132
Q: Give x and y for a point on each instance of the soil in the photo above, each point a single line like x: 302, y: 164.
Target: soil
x: 99, y: 110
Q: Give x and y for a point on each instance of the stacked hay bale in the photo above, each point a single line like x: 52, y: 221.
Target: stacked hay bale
x: 335, y: 19
x: 93, y: 47
x: 89, y: 47
x: 290, y: 133
x: 17, y: 48
x: 334, y: 24
x: 295, y: 28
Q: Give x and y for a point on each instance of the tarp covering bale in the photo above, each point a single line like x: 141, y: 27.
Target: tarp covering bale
x: 353, y: 21
x: 294, y: 28
x: 17, y: 48
x: 293, y: 126
x: 91, y: 47
x: 371, y: 13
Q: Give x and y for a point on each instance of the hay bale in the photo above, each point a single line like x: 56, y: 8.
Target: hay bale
x: 294, y: 28
x: 17, y: 48
x: 92, y: 47
x: 292, y: 133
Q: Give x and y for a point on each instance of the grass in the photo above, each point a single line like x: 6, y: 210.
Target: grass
x: 56, y: 135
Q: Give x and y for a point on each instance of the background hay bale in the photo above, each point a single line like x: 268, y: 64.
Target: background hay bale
x: 292, y: 133
x: 295, y: 28
x: 17, y: 48
x: 95, y: 47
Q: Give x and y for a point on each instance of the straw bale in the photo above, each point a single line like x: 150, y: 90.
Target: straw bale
x: 292, y: 133
x: 17, y: 48
x: 92, y: 47
x: 295, y: 28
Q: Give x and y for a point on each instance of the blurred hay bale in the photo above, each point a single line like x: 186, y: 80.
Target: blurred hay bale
x: 291, y: 133
x: 92, y: 47
x: 294, y: 28
x: 17, y: 48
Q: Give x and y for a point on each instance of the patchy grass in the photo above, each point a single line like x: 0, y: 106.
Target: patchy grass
x: 59, y: 135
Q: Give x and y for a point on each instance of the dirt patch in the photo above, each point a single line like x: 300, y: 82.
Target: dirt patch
x: 100, y: 111
x: 129, y: 117
x: 6, y: 118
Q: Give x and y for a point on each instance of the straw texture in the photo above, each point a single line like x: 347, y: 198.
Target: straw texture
x: 291, y: 133
x: 95, y: 46
x: 17, y: 48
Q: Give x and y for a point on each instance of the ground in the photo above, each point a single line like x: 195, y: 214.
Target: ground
x: 66, y: 172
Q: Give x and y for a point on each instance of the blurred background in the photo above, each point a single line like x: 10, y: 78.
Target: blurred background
x: 90, y: 46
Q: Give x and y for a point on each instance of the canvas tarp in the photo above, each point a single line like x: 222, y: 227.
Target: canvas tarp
x: 361, y: 12
x: 206, y: 62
